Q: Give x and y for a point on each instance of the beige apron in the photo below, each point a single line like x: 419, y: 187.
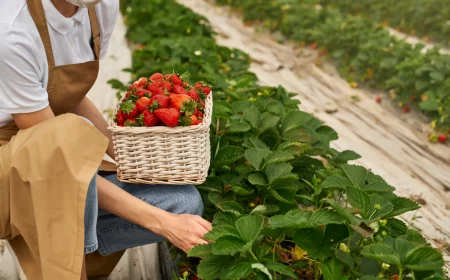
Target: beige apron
x: 45, y: 170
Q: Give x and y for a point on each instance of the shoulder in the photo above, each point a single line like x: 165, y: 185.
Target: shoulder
x: 107, y: 12
x: 17, y: 30
x: 10, y: 9
x: 17, y: 40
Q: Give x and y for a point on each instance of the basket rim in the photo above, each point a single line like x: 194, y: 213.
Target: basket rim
x: 113, y: 127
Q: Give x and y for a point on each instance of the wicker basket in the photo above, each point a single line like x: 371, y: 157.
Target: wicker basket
x: 163, y: 155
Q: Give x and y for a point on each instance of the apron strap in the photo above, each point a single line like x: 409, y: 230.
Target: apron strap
x: 37, y: 13
x: 95, y: 31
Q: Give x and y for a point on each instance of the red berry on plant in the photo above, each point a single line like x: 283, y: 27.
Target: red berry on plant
x: 442, y: 138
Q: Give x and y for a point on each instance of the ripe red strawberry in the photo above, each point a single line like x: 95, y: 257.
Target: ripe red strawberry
x: 129, y: 109
x: 142, y: 82
x: 199, y: 115
x: 193, y: 94
x: 195, y: 121
x: 156, y: 88
x: 120, y: 119
x: 406, y: 109
x: 207, y: 90
x: 198, y: 85
x: 156, y: 77
x: 167, y: 85
x: 378, y: 99
x: 177, y: 100
x: 185, y: 85
x: 143, y: 92
x: 442, y: 138
x: 142, y: 104
x: 175, y: 80
x: 162, y: 101
x: 150, y: 119
x: 169, y: 116
x: 179, y: 90
x: 135, y: 85
x: 130, y: 122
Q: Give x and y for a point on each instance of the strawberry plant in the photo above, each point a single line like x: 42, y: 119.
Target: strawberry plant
x: 425, y: 18
x: 365, y: 52
x: 283, y: 203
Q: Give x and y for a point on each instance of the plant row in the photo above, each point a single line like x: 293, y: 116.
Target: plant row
x: 364, y: 51
x: 427, y: 19
x: 283, y: 203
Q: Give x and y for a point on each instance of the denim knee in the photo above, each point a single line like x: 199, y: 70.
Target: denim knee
x: 183, y: 200
x: 193, y: 203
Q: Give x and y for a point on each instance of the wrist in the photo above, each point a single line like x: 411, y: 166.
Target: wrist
x: 159, y: 223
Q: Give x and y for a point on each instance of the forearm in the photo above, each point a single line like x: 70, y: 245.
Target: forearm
x: 120, y: 203
x: 88, y: 110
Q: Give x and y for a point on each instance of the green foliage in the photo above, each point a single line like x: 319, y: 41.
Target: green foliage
x: 364, y: 50
x: 269, y: 158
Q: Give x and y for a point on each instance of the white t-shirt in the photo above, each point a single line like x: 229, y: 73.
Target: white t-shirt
x: 23, y: 62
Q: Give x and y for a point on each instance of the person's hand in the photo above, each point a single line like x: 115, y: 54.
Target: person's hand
x: 186, y: 231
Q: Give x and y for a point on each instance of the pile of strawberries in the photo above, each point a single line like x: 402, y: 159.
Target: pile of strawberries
x: 162, y: 100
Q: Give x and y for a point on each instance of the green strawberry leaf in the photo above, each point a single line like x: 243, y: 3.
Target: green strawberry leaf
x: 278, y: 170
x: 200, y: 250
x: 228, y: 245
x: 232, y: 207
x: 332, y: 270
x: 238, y: 269
x: 228, y: 155
x: 377, y: 187
x: 268, y: 121
x: 356, y: 174
x: 249, y: 227
x: 252, y: 116
x: 265, y: 209
x: 282, y: 269
x: 242, y: 190
x: 295, y: 148
x: 423, y: 259
x: 225, y: 218
x: 263, y: 269
x: 336, y: 182
x: 294, y: 119
x: 359, y: 199
x: 325, y: 217
x: 382, y: 253
x: 257, y: 179
x: 379, y: 207
x: 255, y: 156
x: 211, y: 267
x: 220, y: 231
x: 254, y: 142
x: 345, y: 157
x: 402, y: 205
x: 275, y: 157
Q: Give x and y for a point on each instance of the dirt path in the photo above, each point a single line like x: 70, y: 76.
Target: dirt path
x: 392, y: 144
x: 413, y: 40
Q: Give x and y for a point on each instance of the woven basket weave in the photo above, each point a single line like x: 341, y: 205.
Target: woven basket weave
x: 163, y: 155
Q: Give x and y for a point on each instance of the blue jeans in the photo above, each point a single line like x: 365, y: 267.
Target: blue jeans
x: 109, y: 233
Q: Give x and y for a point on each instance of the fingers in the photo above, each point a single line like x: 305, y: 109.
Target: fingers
x: 207, y: 225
